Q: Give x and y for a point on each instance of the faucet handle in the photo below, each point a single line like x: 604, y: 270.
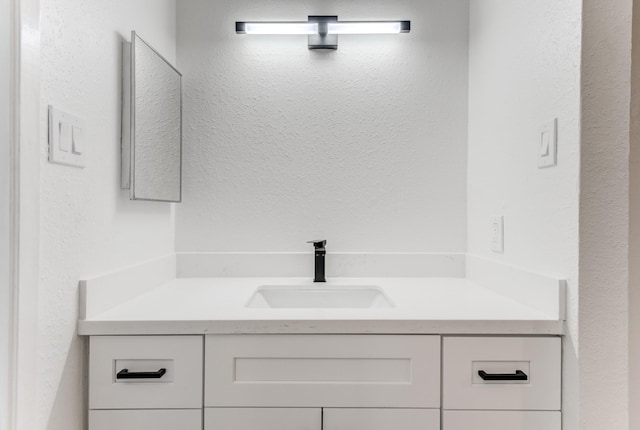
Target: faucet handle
x: 318, y: 244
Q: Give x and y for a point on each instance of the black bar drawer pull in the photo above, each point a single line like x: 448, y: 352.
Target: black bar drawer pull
x: 518, y: 376
x: 125, y: 374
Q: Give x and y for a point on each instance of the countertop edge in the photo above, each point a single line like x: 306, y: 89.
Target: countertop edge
x: 435, y: 327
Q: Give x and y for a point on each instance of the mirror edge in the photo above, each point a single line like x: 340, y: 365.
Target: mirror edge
x: 127, y: 115
x: 128, y: 118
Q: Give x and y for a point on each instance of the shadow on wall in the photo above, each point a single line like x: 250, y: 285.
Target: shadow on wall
x: 71, y: 400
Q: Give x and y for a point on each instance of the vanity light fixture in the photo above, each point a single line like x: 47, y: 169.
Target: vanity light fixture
x: 323, y: 31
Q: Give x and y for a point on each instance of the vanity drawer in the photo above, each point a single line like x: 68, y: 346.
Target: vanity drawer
x: 380, y: 419
x: 263, y: 419
x: 146, y: 385
x: 322, y: 371
x: 501, y: 420
x: 150, y: 419
x: 519, y: 373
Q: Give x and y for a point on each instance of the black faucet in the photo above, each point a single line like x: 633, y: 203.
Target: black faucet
x: 320, y: 252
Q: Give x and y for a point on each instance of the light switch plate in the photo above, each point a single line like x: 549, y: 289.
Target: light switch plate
x: 548, y: 144
x: 497, y: 233
x: 66, y: 139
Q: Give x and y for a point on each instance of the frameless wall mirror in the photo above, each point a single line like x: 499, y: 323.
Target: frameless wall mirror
x: 151, y: 124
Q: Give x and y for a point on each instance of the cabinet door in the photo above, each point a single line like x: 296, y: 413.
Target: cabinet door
x: 263, y: 419
x: 312, y: 371
x: 175, y: 419
x: 502, y: 420
x: 381, y: 419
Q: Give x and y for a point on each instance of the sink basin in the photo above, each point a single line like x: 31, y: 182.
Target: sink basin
x: 326, y: 296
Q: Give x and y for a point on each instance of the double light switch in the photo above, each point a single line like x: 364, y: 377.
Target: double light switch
x: 66, y: 138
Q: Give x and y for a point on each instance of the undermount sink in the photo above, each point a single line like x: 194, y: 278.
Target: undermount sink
x: 325, y: 296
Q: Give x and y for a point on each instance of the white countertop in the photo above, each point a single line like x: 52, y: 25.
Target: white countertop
x: 422, y: 306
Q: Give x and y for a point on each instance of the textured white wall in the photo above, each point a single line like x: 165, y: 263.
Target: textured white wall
x: 604, y: 216
x: 364, y: 146
x: 524, y: 70
x: 88, y: 225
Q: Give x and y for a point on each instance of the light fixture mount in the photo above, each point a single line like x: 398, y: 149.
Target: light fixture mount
x: 323, y: 40
x: 323, y: 30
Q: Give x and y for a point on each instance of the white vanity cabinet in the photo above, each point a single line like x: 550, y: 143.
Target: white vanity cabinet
x: 324, y: 382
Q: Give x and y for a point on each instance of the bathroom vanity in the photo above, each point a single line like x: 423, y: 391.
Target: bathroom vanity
x: 201, y: 354
x: 330, y: 382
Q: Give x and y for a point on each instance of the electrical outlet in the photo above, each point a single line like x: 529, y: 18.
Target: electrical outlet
x: 497, y: 233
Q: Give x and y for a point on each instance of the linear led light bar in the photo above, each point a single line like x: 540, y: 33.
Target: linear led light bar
x: 277, y: 27
x: 323, y: 31
x: 382, y: 27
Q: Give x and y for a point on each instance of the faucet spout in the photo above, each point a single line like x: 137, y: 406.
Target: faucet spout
x: 320, y: 253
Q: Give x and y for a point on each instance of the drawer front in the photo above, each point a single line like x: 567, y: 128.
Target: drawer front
x: 501, y: 420
x: 322, y: 370
x: 146, y: 420
x: 263, y: 419
x: 145, y: 385
x: 381, y: 419
x: 517, y: 373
